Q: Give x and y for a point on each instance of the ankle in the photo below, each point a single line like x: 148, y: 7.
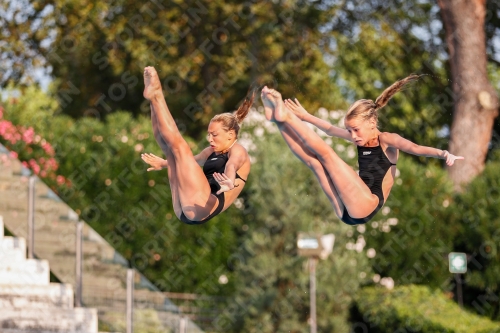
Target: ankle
x: 157, y: 95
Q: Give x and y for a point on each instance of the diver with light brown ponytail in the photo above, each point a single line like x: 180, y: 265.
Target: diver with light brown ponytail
x: 355, y: 198
x: 198, y: 194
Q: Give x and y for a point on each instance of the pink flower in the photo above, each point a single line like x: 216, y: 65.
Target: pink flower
x: 5, y: 126
x: 36, y: 169
x: 28, y: 135
x: 52, y: 163
x: 60, y: 180
x: 13, y: 154
x: 43, y: 174
x: 48, y: 148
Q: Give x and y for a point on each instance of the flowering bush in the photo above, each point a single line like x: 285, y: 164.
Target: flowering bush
x: 36, y: 153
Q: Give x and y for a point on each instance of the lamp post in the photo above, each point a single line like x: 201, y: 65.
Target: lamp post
x: 314, y: 247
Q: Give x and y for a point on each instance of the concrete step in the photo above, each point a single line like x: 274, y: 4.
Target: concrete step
x: 55, y: 295
x: 46, y: 243
x: 19, y: 185
x: 28, y: 272
x: 77, y: 320
x: 5, y: 172
x: 9, y: 166
x: 42, y: 205
x: 7, y: 186
x: 12, y: 249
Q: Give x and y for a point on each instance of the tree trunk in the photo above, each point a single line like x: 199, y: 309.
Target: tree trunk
x: 476, y: 102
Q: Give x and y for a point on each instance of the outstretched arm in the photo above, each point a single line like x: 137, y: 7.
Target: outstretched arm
x: 302, y: 114
x: 157, y: 163
x: 398, y: 142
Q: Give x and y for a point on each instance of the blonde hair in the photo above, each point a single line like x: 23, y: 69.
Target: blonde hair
x: 367, y: 109
x: 232, y: 121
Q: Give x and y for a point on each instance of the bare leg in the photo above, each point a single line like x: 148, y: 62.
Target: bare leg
x: 314, y: 164
x: 174, y: 186
x: 193, y: 189
x: 309, y: 159
x: 353, y: 192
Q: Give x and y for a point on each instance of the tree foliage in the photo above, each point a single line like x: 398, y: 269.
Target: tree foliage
x: 426, y: 221
x: 207, y: 53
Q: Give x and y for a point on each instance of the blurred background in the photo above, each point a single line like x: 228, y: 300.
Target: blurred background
x: 73, y: 115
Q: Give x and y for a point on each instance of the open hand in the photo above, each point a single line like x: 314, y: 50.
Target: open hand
x: 157, y: 163
x: 226, y: 184
x: 296, y: 108
x: 450, y: 158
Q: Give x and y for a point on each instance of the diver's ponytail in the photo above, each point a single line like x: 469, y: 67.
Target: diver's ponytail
x: 244, y: 108
x: 397, y: 86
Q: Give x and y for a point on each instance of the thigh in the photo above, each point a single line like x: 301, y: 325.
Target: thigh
x: 354, y: 193
x: 329, y: 189
x: 195, y: 197
x: 309, y: 159
x: 188, y: 184
x: 174, y: 186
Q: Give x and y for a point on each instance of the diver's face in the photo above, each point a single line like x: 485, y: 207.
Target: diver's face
x: 361, y: 130
x: 219, y: 138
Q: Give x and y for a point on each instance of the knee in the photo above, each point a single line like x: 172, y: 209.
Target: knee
x: 327, y: 156
x: 180, y: 147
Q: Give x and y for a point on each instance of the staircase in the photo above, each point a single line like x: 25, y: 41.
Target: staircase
x: 29, y: 302
x: 104, y: 270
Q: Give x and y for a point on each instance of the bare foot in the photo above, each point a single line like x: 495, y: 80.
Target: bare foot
x: 152, y: 85
x: 268, y: 105
x: 273, y: 105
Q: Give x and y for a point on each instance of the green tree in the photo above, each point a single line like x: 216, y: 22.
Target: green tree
x: 207, y: 52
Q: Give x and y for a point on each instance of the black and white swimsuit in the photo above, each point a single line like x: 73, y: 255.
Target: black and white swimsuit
x: 373, y: 166
x: 214, y: 163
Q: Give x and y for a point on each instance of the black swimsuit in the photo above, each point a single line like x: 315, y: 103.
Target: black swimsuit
x: 214, y: 163
x: 373, y: 166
